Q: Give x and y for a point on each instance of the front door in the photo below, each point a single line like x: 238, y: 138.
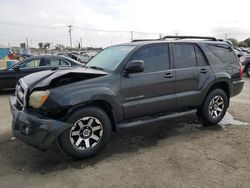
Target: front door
x: 19, y: 71
x: 153, y: 90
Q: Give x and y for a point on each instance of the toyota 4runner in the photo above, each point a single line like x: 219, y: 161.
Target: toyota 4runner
x: 123, y: 86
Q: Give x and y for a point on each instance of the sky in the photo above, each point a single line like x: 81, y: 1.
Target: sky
x: 100, y: 23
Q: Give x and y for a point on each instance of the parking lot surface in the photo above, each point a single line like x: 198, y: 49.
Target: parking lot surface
x: 177, y: 153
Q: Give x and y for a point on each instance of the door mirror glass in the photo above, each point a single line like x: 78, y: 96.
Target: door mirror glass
x: 239, y: 55
x: 134, y: 66
x: 16, y: 69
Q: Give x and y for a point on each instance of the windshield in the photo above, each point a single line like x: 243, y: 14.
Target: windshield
x: 110, y: 58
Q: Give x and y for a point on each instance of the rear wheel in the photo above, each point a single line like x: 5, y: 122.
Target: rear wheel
x: 247, y: 70
x: 89, y: 134
x: 214, y: 107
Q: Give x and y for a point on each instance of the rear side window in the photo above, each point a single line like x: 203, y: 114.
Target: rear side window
x: 156, y: 58
x: 223, y: 52
x: 184, y: 55
x: 201, y: 60
x: 55, y: 62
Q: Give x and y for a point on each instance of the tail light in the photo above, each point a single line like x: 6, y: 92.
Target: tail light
x: 241, y: 71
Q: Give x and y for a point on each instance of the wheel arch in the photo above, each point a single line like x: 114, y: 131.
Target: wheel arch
x: 102, y: 104
x: 224, y: 85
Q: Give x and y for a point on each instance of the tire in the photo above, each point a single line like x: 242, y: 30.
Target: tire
x: 247, y: 70
x: 214, y: 107
x: 89, y: 134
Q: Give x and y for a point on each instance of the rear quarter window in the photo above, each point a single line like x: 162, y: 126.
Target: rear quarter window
x: 223, y: 52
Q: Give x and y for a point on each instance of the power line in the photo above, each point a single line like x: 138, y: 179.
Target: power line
x: 29, y: 25
x: 76, y: 27
x: 100, y: 30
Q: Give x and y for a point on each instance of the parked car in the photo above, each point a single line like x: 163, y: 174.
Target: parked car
x: 246, y: 50
x: 23, y: 56
x: 72, y: 55
x: 125, y: 85
x: 85, y: 57
x: 244, y: 59
x: 10, y: 76
x: 246, y: 65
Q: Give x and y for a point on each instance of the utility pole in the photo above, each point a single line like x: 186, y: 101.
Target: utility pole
x: 27, y: 42
x: 81, y: 42
x: 70, y: 37
x: 31, y: 43
x: 225, y: 36
x: 131, y: 35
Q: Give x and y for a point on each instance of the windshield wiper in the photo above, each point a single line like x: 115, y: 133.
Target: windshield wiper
x: 95, y: 67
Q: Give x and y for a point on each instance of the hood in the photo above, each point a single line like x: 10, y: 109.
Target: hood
x: 61, y: 76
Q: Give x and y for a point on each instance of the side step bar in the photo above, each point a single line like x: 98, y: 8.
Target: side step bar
x: 154, y: 119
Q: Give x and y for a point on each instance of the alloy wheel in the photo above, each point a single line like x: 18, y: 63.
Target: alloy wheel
x: 86, y: 133
x: 216, y: 106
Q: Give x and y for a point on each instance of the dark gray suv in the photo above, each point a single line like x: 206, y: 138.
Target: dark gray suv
x: 123, y: 86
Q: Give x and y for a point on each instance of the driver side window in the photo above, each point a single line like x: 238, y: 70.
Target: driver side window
x: 156, y: 58
x: 31, y: 63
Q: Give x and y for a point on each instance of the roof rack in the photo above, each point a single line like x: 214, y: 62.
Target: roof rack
x: 189, y: 37
x: 142, y: 40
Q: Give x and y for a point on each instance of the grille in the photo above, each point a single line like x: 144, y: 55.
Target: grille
x: 21, y: 91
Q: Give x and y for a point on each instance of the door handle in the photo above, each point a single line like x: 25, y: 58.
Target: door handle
x: 168, y: 75
x: 203, y: 71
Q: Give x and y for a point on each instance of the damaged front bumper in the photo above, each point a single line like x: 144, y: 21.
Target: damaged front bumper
x: 38, y: 131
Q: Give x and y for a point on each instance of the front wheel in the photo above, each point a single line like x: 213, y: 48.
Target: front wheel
x: 88, y: 135
x: 214, y: 107
x: 247, y: 70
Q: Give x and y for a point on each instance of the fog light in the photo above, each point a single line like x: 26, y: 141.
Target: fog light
x: 25, y: 129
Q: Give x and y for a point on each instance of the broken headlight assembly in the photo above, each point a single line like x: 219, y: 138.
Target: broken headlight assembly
x: 38, y: 98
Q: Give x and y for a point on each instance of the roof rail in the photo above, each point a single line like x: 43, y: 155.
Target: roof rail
x: 142, y: 40
x: 189, y: 37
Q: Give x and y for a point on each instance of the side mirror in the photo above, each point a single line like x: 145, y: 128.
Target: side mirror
x: 239, y: 55
x: 134, y: 66
x: 16, y: 69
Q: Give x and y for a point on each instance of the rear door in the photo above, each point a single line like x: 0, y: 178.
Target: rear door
x: 23, y: 69
x: 192, y: 71
x: 153, y: 90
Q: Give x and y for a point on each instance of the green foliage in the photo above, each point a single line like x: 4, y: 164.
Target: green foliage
x: 45, y: 45
x: 242, y: 44
x: 234, y: 41
x: 59, y: 47
x: 247, y: 41
x: 40, y: 45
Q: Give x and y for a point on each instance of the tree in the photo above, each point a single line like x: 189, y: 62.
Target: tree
x: 242, y: 44
x: 59, y: 47
x: 40, y: 45
x: 247, y: 41
x: 46, y: 46
x: 234, y: 41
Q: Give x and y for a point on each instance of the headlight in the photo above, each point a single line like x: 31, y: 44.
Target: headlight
x: 38, y: 98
